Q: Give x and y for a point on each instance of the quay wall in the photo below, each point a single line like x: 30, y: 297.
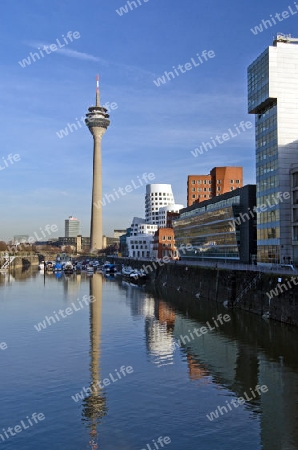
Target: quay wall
x: 22, y: 260
x: 243, y: 289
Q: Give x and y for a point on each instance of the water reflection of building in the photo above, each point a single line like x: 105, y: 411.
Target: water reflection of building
x: 159, y: 324
x: 196, y: 370
x: 94, y: 406
x: 242, y: 354
x: 71, y: 284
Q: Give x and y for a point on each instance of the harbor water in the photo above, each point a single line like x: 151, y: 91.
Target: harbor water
x: 96, y: 362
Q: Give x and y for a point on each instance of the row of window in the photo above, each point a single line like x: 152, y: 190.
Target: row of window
x: 218, y: 182
x: 201, y: 196
x: 266, y: 124
x: 266, y: 154
x: 268, y: 233
x: 266, y: 139
x: 267, y: 168
x: 268, y: 253
x: 268, y: 183
x: 201, y: 189
x: 201, y: 182
x: 141, y: 247
x: 160, y: 194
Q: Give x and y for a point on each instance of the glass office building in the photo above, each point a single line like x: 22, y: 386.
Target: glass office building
x: 223, y: 228
x: 273, y: 99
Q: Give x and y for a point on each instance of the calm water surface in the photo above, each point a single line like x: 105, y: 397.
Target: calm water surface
x: 170, y: 389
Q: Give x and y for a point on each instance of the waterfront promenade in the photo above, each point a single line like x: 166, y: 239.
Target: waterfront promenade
x: 266, y: 268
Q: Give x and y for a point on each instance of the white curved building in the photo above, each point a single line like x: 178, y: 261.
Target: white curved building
x: 157, y: 196
x: 163, y: 212
x: 159, y: 201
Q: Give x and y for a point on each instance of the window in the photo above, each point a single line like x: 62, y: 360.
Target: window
x: 194, y: 196
x: 199, y: 189
x: 193, y: 182
x: 205, y: 181
x: 218, y: 188
x: 232, y: 188
x: 205, y: 189
x: 218, y: 181
x: 209, y: 189
x: 210, y: 181
x: 238, y: 181
x: 199, y: 181
x: 232, y: 181
x: 169, y: 238
x: 193, y: 189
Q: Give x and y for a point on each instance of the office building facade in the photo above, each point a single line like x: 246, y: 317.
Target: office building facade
x: 219, y: 229
x: 273, y: 99
x: 72, y: 227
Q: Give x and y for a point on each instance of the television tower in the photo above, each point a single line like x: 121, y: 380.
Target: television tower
x: 97, y: 120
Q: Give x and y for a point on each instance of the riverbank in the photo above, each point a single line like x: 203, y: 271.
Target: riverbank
x: 272, y: 295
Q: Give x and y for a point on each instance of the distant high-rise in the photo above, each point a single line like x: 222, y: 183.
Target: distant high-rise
x: 273, y: 98
x: 72, y: 227
x: 97, y: 120
x: 219, y: 181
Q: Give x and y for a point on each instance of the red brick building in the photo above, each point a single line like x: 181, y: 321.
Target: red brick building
x: 219, y: 181
x: 164, y: 244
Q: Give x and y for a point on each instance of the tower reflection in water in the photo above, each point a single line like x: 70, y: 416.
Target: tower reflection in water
x: 94, y: 406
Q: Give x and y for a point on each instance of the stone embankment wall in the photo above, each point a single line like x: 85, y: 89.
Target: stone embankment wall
x: 246, y: 290
x: 22, y: 260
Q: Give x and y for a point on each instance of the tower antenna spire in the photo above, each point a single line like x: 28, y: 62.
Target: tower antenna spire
x: 97, y: 91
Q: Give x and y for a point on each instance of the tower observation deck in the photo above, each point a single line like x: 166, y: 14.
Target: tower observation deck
x: 97, y: 120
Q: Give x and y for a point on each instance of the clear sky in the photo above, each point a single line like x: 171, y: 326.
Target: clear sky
x: 153, y: 130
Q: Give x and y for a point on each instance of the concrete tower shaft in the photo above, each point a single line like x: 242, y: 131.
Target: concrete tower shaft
x: 97, y: 120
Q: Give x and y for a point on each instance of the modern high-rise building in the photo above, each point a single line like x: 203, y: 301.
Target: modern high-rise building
x: 97, y: 120
x: 220, y: 180
x: 72, y: 227
x: 273, y: 98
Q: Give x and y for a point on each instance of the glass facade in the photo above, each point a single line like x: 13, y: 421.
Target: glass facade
x: 258, y: 82
x: 265, y: 110
x: 210, y: 231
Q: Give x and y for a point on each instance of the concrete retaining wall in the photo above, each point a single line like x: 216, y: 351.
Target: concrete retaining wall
x: 239, y: 289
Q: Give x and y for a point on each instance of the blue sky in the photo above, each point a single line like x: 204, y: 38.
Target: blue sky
x: 154, y: 129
